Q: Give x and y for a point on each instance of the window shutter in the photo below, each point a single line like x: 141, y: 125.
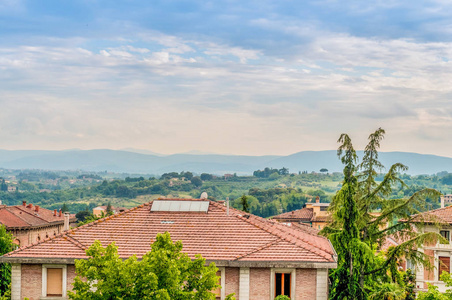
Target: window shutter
x: 444, y: 264
x: 54, y: 282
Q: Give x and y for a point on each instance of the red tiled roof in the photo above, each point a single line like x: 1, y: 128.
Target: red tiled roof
x: 440, y: 215
x: 305, y: 214
x: 215, y: 235
x: 20, y: 216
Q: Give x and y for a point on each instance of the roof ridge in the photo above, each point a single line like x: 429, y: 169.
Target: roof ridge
x: 20, y: 207
x: 75, y: 242
x: 17, y: 216
x: 259, y: 248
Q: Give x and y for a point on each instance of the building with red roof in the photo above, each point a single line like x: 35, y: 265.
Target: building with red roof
x: 30, y: 223
x: 314, y: 214
x: 439, y: 221
x: 257, y: 258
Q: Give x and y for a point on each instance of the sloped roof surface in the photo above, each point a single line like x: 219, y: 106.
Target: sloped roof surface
x: 215, y: 235
x: 440, y: 215
x: 304, y: 214
x: 20, y: 216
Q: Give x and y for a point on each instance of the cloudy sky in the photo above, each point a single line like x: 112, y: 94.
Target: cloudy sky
x: 236, y: 77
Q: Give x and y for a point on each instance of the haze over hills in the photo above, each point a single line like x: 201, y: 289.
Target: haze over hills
x: 133, y: 162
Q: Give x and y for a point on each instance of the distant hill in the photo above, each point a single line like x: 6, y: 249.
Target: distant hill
x: 132, y: 162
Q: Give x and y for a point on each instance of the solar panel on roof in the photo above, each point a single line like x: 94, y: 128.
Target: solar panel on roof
x: 180, y: 206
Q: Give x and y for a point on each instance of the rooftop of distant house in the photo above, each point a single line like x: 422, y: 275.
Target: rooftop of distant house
x: 440, y: 215
x: 213, y: 229
x: 30, y: 216
x: 306, y: 214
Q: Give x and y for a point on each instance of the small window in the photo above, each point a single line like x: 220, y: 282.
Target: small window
x: 54, y: 282
x: 445, y: 234
x: 323, y: 208
x: 282, y: 284
x: 444, y: 265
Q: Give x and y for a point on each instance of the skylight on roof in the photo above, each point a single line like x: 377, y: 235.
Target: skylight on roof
x: 180, y: 206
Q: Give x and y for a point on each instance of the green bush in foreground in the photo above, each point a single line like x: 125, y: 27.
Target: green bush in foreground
x: 164, y: 273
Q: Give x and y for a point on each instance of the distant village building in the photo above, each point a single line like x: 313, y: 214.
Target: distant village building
x: 258, y: 259
x: 446, y: 200
x: 98, y: 211
x: 30, y: 224
x: 12, y: 188
x: 314, y: 214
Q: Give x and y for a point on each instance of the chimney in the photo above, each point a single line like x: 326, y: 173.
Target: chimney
x: 54, y: 212
x: 442, y: 201
x: 37, y: 208
x: 30, y: 206
x: 24, y: 203
x: 61, y: 213
x: 227, y: 206
x: 317, y: 199
x: 66, y: 221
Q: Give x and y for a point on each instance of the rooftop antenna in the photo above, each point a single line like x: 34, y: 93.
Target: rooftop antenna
x: 227, y: 206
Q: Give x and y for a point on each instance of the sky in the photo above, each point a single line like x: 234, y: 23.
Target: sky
x: 231, y: 77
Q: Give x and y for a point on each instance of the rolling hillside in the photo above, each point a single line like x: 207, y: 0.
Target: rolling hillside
x: 132, y: 162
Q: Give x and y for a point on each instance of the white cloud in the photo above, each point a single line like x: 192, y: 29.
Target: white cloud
x: 63, y: 97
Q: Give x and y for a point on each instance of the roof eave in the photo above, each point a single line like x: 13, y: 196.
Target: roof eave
x: 218, y: 263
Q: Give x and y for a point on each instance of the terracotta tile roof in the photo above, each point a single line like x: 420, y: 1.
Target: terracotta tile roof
x: 21, y: 216
x: 304, y: 215
x: 215, y: 235
x: 440, y: 215
x: 305, y: 227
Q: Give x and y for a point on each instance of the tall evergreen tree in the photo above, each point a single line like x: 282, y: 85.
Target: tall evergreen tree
x: 245, y: 205
x: 363, y: 218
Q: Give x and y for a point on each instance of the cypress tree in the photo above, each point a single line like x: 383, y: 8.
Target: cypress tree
x: 363, y: 218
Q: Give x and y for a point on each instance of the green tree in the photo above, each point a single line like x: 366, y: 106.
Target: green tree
x: 196, y: 181
x: 433, y: 293
x: 206, y: 176
x: 244, y: 202
x: 82, y: 215
x: 109, y: 210
x: 164, y: 273
x: 3, y: 186
x: 6, y: 245
x: 357, y: 234
x: 64, y: 208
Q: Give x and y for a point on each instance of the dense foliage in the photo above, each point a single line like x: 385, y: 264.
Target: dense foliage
x: 364, y: 217
x: 434, y: 294
x: 164, y: 273
x: 276, y: 193
x: 6, y: 245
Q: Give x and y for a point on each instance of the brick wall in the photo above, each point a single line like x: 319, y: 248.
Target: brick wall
x: 306, y: 284
x: 29, y: 236
x: 70, y: 276
x: 259, y: 284
x: 31, y: 283
x: 429, y: 274
x: 232, y: 281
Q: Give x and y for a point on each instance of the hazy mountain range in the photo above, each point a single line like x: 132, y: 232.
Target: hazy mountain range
x: 147, y: 162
